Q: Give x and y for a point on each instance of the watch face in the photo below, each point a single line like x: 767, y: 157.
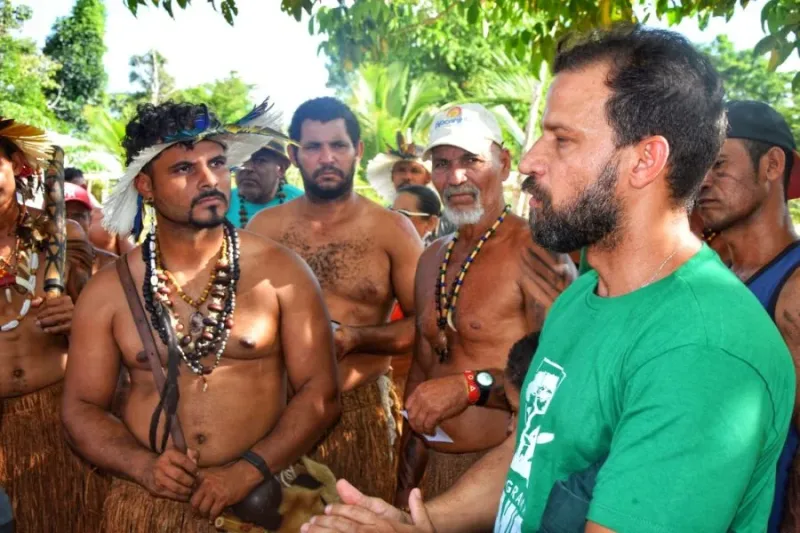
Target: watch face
x: 484, y: 379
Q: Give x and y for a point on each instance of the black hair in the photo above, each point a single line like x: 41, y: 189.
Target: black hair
x: 323, y: 110
x: 427, y: 200
x: 758, y: 149
x: 519, y: 359
x: 152, y: 123
x: 660, y: 85
x: 72, y: 174
x: 8, y: 147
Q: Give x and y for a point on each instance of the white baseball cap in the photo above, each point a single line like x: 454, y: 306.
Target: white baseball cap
x: 470, y: 127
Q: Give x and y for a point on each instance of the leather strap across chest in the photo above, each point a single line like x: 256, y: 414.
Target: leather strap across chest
x: 149, y: 345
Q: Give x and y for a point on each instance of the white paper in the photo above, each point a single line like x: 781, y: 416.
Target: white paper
x: 439, y: 436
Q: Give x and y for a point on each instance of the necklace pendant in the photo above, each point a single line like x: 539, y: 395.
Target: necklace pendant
x: 205, y: 384
x: 196, y: 323
x: 442, y: 341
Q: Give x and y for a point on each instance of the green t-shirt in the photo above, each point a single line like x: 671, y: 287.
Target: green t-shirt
x: 684, y: 386
x: 289, y: 190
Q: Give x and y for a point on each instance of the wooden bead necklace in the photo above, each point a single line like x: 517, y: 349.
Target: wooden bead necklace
x: 206, y: 290
x: 446, y: 302
x: 214, y: 328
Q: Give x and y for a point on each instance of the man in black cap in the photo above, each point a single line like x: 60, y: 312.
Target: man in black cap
x: 261, y: 183
x: 743, y: 198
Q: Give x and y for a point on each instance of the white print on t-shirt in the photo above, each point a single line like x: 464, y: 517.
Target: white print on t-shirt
x: 538, y: 395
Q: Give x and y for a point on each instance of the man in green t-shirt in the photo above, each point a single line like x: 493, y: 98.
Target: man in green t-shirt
x: 658, y: 362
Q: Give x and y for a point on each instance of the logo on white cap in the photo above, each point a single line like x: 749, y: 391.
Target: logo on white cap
x: 471, y: 127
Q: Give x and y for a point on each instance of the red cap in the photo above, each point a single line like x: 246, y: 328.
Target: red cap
x: 76, y: 193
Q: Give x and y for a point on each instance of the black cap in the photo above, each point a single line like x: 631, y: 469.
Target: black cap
x: 757, y: 121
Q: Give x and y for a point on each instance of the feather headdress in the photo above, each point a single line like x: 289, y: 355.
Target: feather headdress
x: 379, y: 170
x: 31, y: 141
x: 240, y: 139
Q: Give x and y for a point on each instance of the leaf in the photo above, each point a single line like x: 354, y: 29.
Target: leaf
x: 765, y: 45
x: 311, y: 25
x: 474, y: 12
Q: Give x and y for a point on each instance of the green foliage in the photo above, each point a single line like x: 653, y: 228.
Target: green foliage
x: 781, y: 19
x: 229, y: 98
x: 227, y: 7
x: 748, y: 77
x: 794, y: 210
x: 106, y: 131
x: 25, y: 74
x: 77, y: 45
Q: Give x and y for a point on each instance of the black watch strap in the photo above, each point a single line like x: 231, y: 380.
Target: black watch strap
x: 484, y: 390
x: 257, y: 461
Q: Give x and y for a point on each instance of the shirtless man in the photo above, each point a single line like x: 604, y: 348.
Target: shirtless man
x: 744, y: 195
x: 47, y: 483
x: 244, y: 345
x: 79, y: 208
x: 365, y: 257
x: 461, y: 337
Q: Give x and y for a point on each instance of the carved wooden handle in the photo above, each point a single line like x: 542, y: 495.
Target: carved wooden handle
x: 55, y: 251
x: 229, y: 524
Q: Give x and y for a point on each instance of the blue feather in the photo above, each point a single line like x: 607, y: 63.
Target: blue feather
x: 138, y: 222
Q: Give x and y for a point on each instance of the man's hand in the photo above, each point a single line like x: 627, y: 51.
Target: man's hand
x: 54, y: 316
x: 436, y: 400
x: 361, y: 514
x: 171, y: 475
x: 543, y: 278
x: 344, y: 340
x: 219, y: 488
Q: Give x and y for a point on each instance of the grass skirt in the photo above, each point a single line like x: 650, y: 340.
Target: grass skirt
x: 51, y: 488
x: 444, y: 469
x: 360, y: 447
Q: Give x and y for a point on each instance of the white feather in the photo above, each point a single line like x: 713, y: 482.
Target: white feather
x: 379, y: 175
x: 119, y: 210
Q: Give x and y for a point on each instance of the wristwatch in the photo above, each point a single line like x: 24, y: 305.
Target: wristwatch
x: 485, y: 382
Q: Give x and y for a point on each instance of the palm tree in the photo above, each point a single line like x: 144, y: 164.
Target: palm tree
x: 386, y: 101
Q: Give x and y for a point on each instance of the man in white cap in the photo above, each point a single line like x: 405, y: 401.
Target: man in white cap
x: 474, y: 300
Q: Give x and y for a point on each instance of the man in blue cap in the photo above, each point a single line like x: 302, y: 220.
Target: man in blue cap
x: 744, y: 198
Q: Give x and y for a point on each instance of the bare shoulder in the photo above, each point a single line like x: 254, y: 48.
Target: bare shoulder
x: 395, y: 229
x: 268, y: 259
x: 75, y: 231
x: 787, y: 311
x: 103, y: 292
x: 269, y: 222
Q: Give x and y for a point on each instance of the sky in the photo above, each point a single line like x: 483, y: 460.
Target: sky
x: 267, y: 47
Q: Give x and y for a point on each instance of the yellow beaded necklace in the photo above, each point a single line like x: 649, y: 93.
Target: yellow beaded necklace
x: 446, y: 303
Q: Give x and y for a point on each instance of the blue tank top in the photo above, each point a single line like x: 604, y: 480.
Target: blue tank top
x: 767, y: 284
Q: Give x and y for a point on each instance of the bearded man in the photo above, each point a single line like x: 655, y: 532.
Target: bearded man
x: 47, y: 483
x: 240, y: 322
x: 658, y: 363
x: 364, y: 257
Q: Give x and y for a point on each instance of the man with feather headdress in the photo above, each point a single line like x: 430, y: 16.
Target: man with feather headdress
x: 399, y: 166
x: 47, y: 483
x: 237, y: 321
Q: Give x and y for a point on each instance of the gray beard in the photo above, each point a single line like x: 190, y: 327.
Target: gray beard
x: 464, y: 218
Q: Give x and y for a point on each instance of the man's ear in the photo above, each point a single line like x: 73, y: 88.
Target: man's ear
x: 292, y: 151
x: 650, y: 159
x: 505, y: 160
x: 19, y: 164
x: 773, y: 164
x: 144, y: 184
x: 360, y: 150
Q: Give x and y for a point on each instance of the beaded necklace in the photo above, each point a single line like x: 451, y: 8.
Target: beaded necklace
x: 446, y: 303
x: 19, y: 273
x: 206, y: 290
x: 216, y: 326
x: 243, y: 218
